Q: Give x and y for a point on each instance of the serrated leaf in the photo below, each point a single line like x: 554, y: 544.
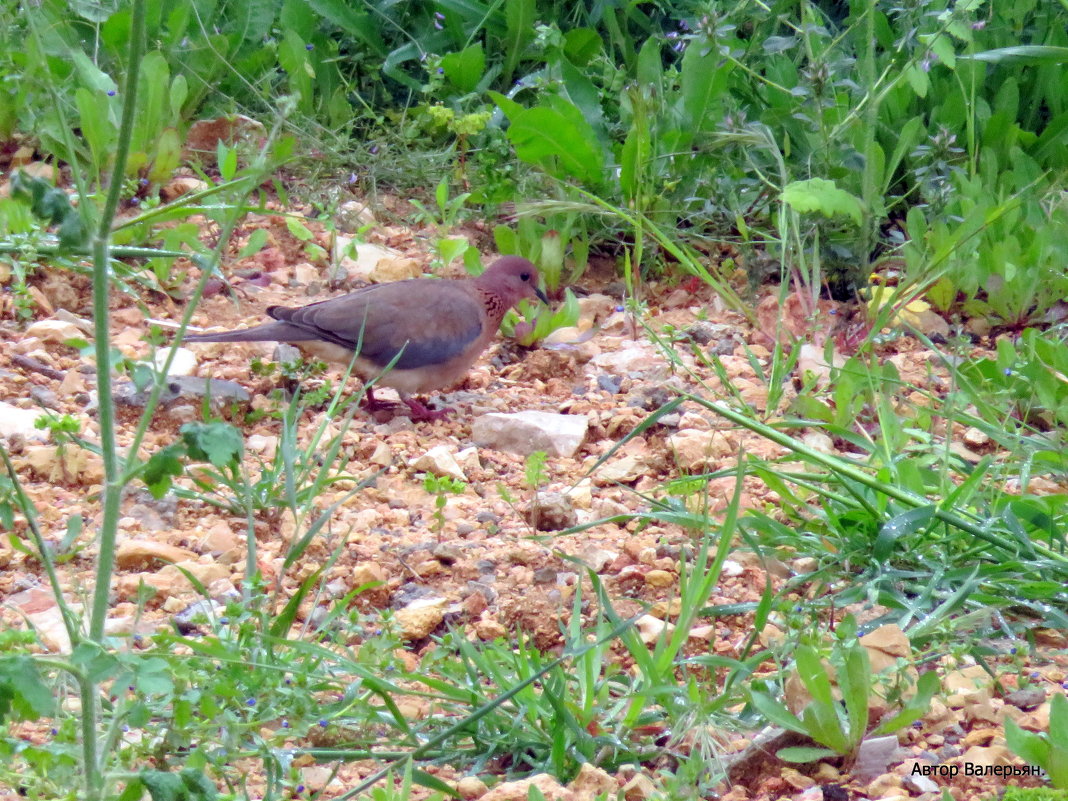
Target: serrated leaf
x: 161, y: 467
x: 218, y: 443
x: 22, y: 690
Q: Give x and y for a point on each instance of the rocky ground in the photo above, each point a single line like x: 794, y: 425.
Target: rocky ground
x: 491, y: 566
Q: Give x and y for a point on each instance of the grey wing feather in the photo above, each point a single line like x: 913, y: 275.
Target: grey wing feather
x: 388, y: 319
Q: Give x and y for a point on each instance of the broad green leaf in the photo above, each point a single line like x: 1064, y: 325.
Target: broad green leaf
x: 466, y: 68
x: 96, y: 125
x: 581, y: 45
x: 352, y: 20
x: 167, y: 157
x: 1058, y: 722
x: 776, y: 712
x: 506, y: 240
x: 519, y: 18
x: 855, y: 683
x: 298, y: 229
x: 1030, y: 747
x: 450, y: 249
x: 95, y: 11
x: 22, y: 690
x: 819, y: 194
x: 813, y: 674
x: 825, y: 726
x: 703, y: 80
x: 548, y: 138
x: 650, y: 69
x: 918, y: 80
x: 509, y: 107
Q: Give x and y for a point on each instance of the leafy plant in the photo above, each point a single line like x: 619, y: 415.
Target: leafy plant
x: 1022, y: 385
x: 440, y: 487
x: 839, y: 725
x: 1048, y: 750
x: 448, y: 208
x: 527, y: 331
x: 534, y: 470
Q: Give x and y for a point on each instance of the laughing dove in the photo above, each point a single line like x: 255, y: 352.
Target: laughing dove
x: 438, y: 327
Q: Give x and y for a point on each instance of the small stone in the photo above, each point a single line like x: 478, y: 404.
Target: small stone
x: 545, y: 575
x: 383, y: 456
x: 51, y: 629
x: 637, y: 360
x: 471, y: 788
x: 181, y: 185
x: 417, y: 620
x: 826, y: 772
x: 366, y: 573
x: 609, y: 383
x: 596, y: 558
x: 874, y: 756
x: 581, y: 494
x: 220, y: 391
x: 519, y: 790
x: 365, y: 257
x: 263, y: 444
x: 55, y: 331
x: 703, y: 332
x: 45, y: 397
x: 989, y: 757
x: 919, y: 784
x: 695, y: 450
x: 639, y: 788
x: 568, y: 335
x: 490, y: 628
x: 819, y: 442
x: 67, y: 464
x: 21, y: 423
x: 551, y: 511
x: 884, y: 785
x: 623, y: 470
x: 659, y: 578
x: 145, y: 554
x: 1027, y: 698
x: 974, y: 438
x: 796, y: 779
x: 530, y: 431
x: 593, y: 782
x: 395, y: 268
x: 184, y: 362
x: 650, y: 628
x: 439, y: 461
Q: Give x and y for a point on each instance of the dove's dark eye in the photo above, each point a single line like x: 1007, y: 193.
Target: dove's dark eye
x: 524, y: 276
